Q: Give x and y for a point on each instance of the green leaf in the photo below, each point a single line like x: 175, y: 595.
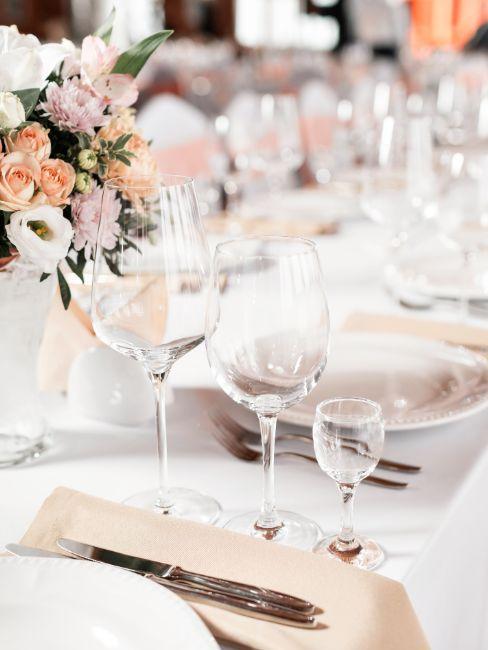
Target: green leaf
x: 83, y: 140
x: 123, y: 159
x: 112, y: 266
x: 75, y: 268
x: 44, y: 276
x: 132, y: 60
x: 121, y: 141
x: 131, y: 244
x: 105, y: 30
x: 28, y: 98
x: 64, y: 289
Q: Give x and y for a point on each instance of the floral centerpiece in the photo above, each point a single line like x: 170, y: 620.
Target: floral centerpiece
x: 66, y: 126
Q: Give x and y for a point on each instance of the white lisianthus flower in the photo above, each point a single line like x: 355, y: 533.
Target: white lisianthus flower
x: 11, y: 111
x: 41, y: 235
x: 24, y: 62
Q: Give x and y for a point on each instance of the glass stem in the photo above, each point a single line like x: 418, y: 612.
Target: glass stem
x: 346, y: 534
x: 158, y: 380
x: 268, y: 517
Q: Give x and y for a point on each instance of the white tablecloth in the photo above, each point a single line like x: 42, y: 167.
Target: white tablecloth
x: 435, y: 533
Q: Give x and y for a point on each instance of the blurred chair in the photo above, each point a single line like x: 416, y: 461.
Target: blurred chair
x: 183, y: 140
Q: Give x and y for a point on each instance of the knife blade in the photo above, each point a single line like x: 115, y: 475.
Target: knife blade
x: 162, y: 574
x: 248, y: 608
x: 177, y: 575
x: 20, y: 550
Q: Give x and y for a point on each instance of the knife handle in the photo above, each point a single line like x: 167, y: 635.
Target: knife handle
x: 254, y: 609
x: 241, y: 590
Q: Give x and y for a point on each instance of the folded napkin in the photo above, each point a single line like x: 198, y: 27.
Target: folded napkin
x: 456, y: 333
x: 222, y: 224
x: 362, y: 611
x: 67, y: 334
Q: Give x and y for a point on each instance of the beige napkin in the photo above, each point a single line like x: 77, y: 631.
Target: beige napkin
x: 66, y: 335
x: 362, y: 611
x: 457, y: 333
x: 220, y: 225
x: 69, y: 332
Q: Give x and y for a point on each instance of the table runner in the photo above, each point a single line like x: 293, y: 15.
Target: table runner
x: 362, y: 611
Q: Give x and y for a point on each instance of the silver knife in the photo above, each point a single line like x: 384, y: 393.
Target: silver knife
x: 247, y: 608
x: 255, y: 600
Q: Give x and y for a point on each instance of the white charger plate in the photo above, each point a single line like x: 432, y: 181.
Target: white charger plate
x: 56, y: 604
x: 417, y: 382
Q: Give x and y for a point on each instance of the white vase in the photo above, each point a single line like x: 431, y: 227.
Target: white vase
x: 24, y: 304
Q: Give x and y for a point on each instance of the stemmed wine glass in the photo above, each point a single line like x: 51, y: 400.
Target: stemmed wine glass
x: 400, y: 190
x: 148, y: 301
x: 348, y: 436
x: 264, y: 136
x: 267, y: 337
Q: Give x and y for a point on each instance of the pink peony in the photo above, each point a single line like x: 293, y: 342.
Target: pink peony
x: 74, y: 106
x: 86, y: 210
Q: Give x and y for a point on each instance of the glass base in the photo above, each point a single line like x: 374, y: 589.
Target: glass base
x: 297, y: 531
x: 187, y: 504
x: 367, y: 554
x: 17, y: 449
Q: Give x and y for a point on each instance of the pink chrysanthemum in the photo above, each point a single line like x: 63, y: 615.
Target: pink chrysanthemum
x: 86, y: 211
x: 74, y: 106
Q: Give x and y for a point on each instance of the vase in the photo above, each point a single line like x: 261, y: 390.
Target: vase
x: 24, y: 304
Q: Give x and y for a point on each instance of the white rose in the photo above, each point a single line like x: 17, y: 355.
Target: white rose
x: 24, y: 62
x: 11, y: 111
x: 41, y: 235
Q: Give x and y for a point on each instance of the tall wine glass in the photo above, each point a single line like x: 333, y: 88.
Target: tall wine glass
x: 267, y: 339
x: 148, y: 301
x: 348, y: 436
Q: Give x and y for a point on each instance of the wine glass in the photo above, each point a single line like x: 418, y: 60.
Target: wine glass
x: 400, y: 190
x: 348, y: 436
x: 148, y: 301
x: 264, y: 136
x: 267, y: 339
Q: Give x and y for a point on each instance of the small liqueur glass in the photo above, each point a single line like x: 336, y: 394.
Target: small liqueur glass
x: 348, y: 436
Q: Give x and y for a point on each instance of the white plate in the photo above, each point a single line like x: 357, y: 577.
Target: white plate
x: 55, y: 604
x: 418, y: 383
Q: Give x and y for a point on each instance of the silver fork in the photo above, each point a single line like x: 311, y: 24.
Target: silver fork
x: 230, y: 434
x: 243, y: 432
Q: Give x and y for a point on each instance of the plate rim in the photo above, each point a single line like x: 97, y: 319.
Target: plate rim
x: 304, y: 420
x: 207, y: 640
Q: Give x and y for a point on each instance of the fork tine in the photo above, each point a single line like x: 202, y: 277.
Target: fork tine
x: 230, y: 442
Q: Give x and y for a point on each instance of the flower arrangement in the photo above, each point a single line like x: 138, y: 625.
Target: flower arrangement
x: 66, y: 126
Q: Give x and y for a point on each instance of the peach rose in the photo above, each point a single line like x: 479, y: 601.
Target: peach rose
x: 31, y: 139
x: 143, y: 169
x: 20, y: 175
x: 57, y: 181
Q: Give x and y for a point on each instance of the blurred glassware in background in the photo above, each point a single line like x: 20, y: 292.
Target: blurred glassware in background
x: 400, y: 190
x: 446, y: 261
x: 264, y: 136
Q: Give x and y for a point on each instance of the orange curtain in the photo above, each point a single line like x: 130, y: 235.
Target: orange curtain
x: 445, y: 23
